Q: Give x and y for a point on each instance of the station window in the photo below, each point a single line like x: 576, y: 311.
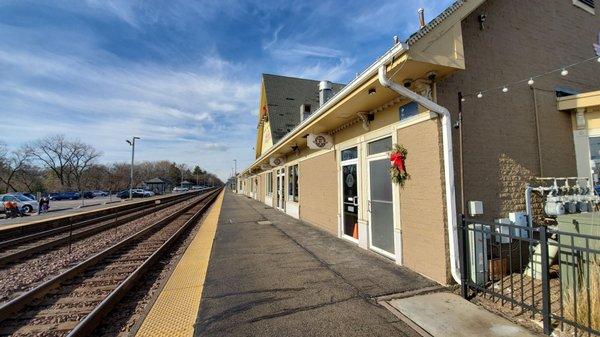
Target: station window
x: 349, y: 154
x: 270, y: 183
x: 293, y: 183
x: 409, y: 110
x: 380, y: 145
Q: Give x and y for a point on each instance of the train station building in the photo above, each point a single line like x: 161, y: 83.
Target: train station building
x: 449, y: 107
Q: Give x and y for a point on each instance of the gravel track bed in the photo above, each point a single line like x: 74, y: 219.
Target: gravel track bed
x: 23, y: 276
x: 57, y: 312
x: 125, y: 319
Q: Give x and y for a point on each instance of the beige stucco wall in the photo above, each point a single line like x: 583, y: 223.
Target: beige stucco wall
x: 261, y: 187
x: 422, y: 202
x: 318, y: 191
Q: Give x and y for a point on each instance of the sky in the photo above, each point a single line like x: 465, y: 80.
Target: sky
x: 183, y: 75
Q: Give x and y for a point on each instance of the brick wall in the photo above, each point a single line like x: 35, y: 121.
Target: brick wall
x: 520, y: 39
x: 318, y: 191
x: 422, y: 202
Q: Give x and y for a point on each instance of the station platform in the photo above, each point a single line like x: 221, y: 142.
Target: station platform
x: 267, y: 274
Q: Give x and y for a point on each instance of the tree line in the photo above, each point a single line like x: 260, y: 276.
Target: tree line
x: 55, y: 163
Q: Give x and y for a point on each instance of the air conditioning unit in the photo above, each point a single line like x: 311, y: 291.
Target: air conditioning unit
x: 478, y: 238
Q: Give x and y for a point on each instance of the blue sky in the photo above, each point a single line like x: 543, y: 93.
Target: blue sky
x: 182, y: 75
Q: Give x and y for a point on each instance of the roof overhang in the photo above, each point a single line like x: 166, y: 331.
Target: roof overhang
x: 437, y: 50
x: 579, y: 101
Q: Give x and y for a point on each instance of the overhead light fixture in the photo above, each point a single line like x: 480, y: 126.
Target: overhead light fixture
x: 531, y: 81
x: 505, y: 89
x: 463, y: 99
x: 372, y: 91
x: 564, y: 72
x: 479, y: 95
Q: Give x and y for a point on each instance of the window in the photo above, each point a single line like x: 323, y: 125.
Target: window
x: 293, y: 183
x: 587, y: 5
x: 409, y: 110
x: 380, y: 145
x: 270, y: 183
x: 595, y: 159
x: 349, y: 154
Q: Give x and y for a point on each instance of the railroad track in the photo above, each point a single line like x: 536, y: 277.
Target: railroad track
x: 17, y: 247
x: 74, y: 302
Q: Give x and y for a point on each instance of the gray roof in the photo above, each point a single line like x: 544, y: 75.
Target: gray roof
x: 284, y: 96
x: 155, y: 181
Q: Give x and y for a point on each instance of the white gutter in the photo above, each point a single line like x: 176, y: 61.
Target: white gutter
x: 371, y: 71
x: 448, y: 162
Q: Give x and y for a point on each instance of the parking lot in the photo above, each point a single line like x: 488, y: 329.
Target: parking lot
x: 61, y: 205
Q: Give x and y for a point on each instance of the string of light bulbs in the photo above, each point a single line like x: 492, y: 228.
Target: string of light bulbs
x: 564, y: 71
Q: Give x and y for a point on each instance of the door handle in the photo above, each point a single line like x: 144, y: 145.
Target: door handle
x: 355, y: 201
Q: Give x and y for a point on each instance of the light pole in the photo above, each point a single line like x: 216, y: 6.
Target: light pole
x: 235, y: 174
x: 132, y: 144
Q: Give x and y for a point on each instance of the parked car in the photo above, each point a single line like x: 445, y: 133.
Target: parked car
x: 99, y: 193
x: 136, y: 193
x: 25, y: 204
x: 65, y: 196
x: 180, y: 189
x: 88, y: 195
x: 28, y: 195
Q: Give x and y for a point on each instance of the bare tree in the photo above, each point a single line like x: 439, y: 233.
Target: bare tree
x: 11, y: 163
x: 55, y: 153
x: 83, y: 156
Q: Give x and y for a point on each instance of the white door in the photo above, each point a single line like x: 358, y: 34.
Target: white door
x: 380, y: 203
x: 280, y: 191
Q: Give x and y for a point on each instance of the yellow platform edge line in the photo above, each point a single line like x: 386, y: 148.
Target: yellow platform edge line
x: 176, y: 308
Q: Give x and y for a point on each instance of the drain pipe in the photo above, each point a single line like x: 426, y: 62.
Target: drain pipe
x: 448, y: 162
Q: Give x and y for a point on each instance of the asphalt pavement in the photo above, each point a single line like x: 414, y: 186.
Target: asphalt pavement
x: 283, y: 277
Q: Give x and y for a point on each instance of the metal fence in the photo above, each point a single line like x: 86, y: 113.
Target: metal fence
x: 540, y: 272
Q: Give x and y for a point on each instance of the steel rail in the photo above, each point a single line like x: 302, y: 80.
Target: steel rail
x: 15, y: 256
x: 13, y: 306
x: 66, y: 220
x: 80, y: 224
x: 86, y: 326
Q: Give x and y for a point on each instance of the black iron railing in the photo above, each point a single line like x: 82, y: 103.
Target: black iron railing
x: 545, y: 273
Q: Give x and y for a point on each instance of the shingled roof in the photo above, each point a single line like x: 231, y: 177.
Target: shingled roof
x: 284, y: 97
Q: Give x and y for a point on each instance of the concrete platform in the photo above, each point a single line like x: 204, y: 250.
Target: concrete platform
x: 446, y: 314
x: 281, y: 277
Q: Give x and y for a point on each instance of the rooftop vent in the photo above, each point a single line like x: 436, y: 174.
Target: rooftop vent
x: 421, y: 12
x: 325, y: 92
x: 304, y: 111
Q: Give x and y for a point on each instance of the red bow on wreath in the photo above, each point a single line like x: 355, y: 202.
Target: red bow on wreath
x: 398, y: 168
x: 397, y: 160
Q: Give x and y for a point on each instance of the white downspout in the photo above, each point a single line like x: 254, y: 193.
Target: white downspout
x: 448, y: 162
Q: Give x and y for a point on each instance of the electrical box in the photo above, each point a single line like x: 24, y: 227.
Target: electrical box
x: 504, y: 230
x: 519, y: 219
x: 475, y: 208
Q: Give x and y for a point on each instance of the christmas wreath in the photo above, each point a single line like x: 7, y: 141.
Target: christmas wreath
x: 398, y: 160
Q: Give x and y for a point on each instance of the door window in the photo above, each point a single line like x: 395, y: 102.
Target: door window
x: 381, y: 205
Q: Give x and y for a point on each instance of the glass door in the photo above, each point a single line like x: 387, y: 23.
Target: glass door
x: 350, y: 193
x: 380, y: 204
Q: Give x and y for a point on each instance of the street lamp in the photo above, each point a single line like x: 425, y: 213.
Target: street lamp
x: 132, y: 144
x: 235, y: 174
